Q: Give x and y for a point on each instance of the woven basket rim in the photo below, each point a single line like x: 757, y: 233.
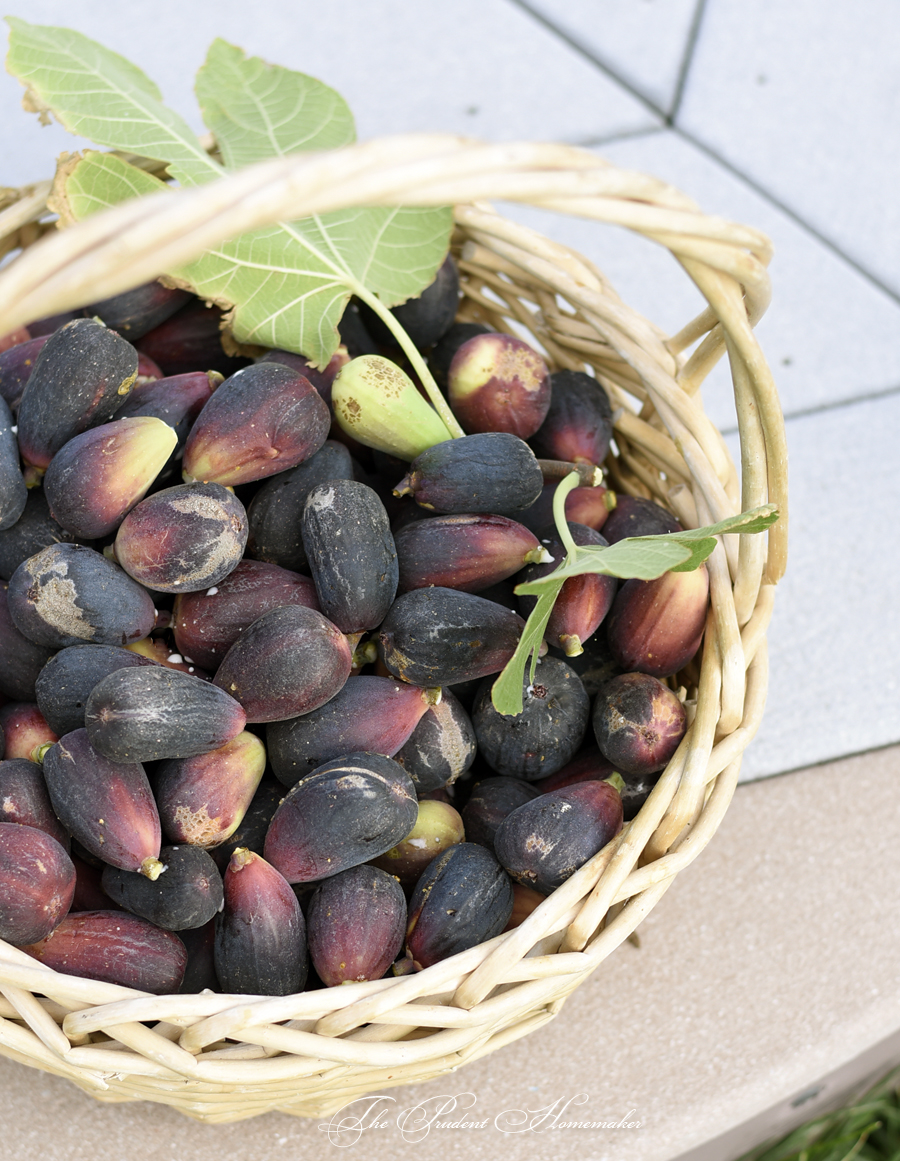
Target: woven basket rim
x: 340, y: 1042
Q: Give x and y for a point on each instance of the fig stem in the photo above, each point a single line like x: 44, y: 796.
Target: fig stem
x: 559, y: 513
x: 418, y: 363
x: 589, y: 475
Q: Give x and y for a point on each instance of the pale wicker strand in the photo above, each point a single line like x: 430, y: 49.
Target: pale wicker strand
x: 38, y: 1019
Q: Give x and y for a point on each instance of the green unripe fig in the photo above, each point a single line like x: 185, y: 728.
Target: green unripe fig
x: 377, y: 404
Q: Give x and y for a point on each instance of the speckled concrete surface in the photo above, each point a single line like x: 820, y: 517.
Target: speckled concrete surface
x: 766, y: 966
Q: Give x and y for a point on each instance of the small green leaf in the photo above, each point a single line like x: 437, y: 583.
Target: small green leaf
x: 98, y: 181
x: 506, y: 694
x: 95, y: 93
x: 257, y: 110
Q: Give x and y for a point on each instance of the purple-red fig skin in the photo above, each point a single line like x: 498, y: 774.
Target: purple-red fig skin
x: 183, y: 539
x: 497, y: 382
x: 24, y: 728
x: 355, y: 923
x: 265, y: 419
x: 37, y: 882
x: 107, y: 806
x: 637, y: 516
x: 289, y: 661
x: 370, y: 713
x: 115, y: 948
x: 470, y: 552
x: 656, y: 626
x: 578, y: 425
x: 207, y: 623
x: 260, y: 944
x: 24, y: 799
x: 638, y: 723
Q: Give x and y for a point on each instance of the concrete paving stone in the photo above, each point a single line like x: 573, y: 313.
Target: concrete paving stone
x: 829, y: 334
x: 803, y: 97
x: 644, y: 43
x: 483, y: 68
x: 834, y: 641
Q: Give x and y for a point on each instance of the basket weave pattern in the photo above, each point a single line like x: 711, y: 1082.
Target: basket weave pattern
x: 222, y: 1058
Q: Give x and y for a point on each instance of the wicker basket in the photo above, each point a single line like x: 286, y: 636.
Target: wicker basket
x: 223, y: 1058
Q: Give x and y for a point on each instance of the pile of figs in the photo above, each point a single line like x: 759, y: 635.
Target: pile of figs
x: 246, y: 656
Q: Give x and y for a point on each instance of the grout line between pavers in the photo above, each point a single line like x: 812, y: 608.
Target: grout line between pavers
x: 669, y: 122
x: 832, y: 405
x: 687, y: 60
x: 614, y: 138
x: 755, y: 781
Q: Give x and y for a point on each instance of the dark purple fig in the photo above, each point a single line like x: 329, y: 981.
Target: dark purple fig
x: 206, y: 624
x: 545, y: 841
x: 16, y: 364
x: 134, y: 312
x: 177, y: 399
x: 355, y: 923
x: 24, y: 730
x: 578, y: 425
x: 13, y: 492
x: 24, y: 798
x: 45, y: 327
x: 89, y: 894
x: 492, y: 472
x: 656, y: 626
x: 183, y: 539
x: 275, y: 511
x: 107, y: 806
x: 64, y: 685
x: 321, y: 380
x: 260, y: 945
x: 467, y: 552
x: 188, y: 895
x: 638, y: 723
x: 491, y: 800
x: 35, y: 529
x: 251, y: 831
x: 548, y: 731
x: 69, y: 594
x: 635, y: 516
x: 142, y: 715
x: 352, y: 558
x: 200, y: 972
x: 37, y: 883
x: 589, y: 506
x: 289, y: 661
x: 442, y: 746
x: 438, y: 636
x: 345, y: 813
x: 428, y: 316
x: 437, y: 827
x: 115, y: 948
x: 588, y: 765
x: 21, y: 660
x: 374, y: 714
x: 14, y: 338
x: 583, y: 601
x: 203, y: 800
x: 497, y: 382
x: 190, y: 340
x: 353, y: 333
x: 442, y: 355
x: 263, y: 420
x: 595, y: 665
x: 96, y: 478
x: 464, y: 898
x: 79, y: 380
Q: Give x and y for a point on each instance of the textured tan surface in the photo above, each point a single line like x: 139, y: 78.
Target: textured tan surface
x: 767, y: 965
